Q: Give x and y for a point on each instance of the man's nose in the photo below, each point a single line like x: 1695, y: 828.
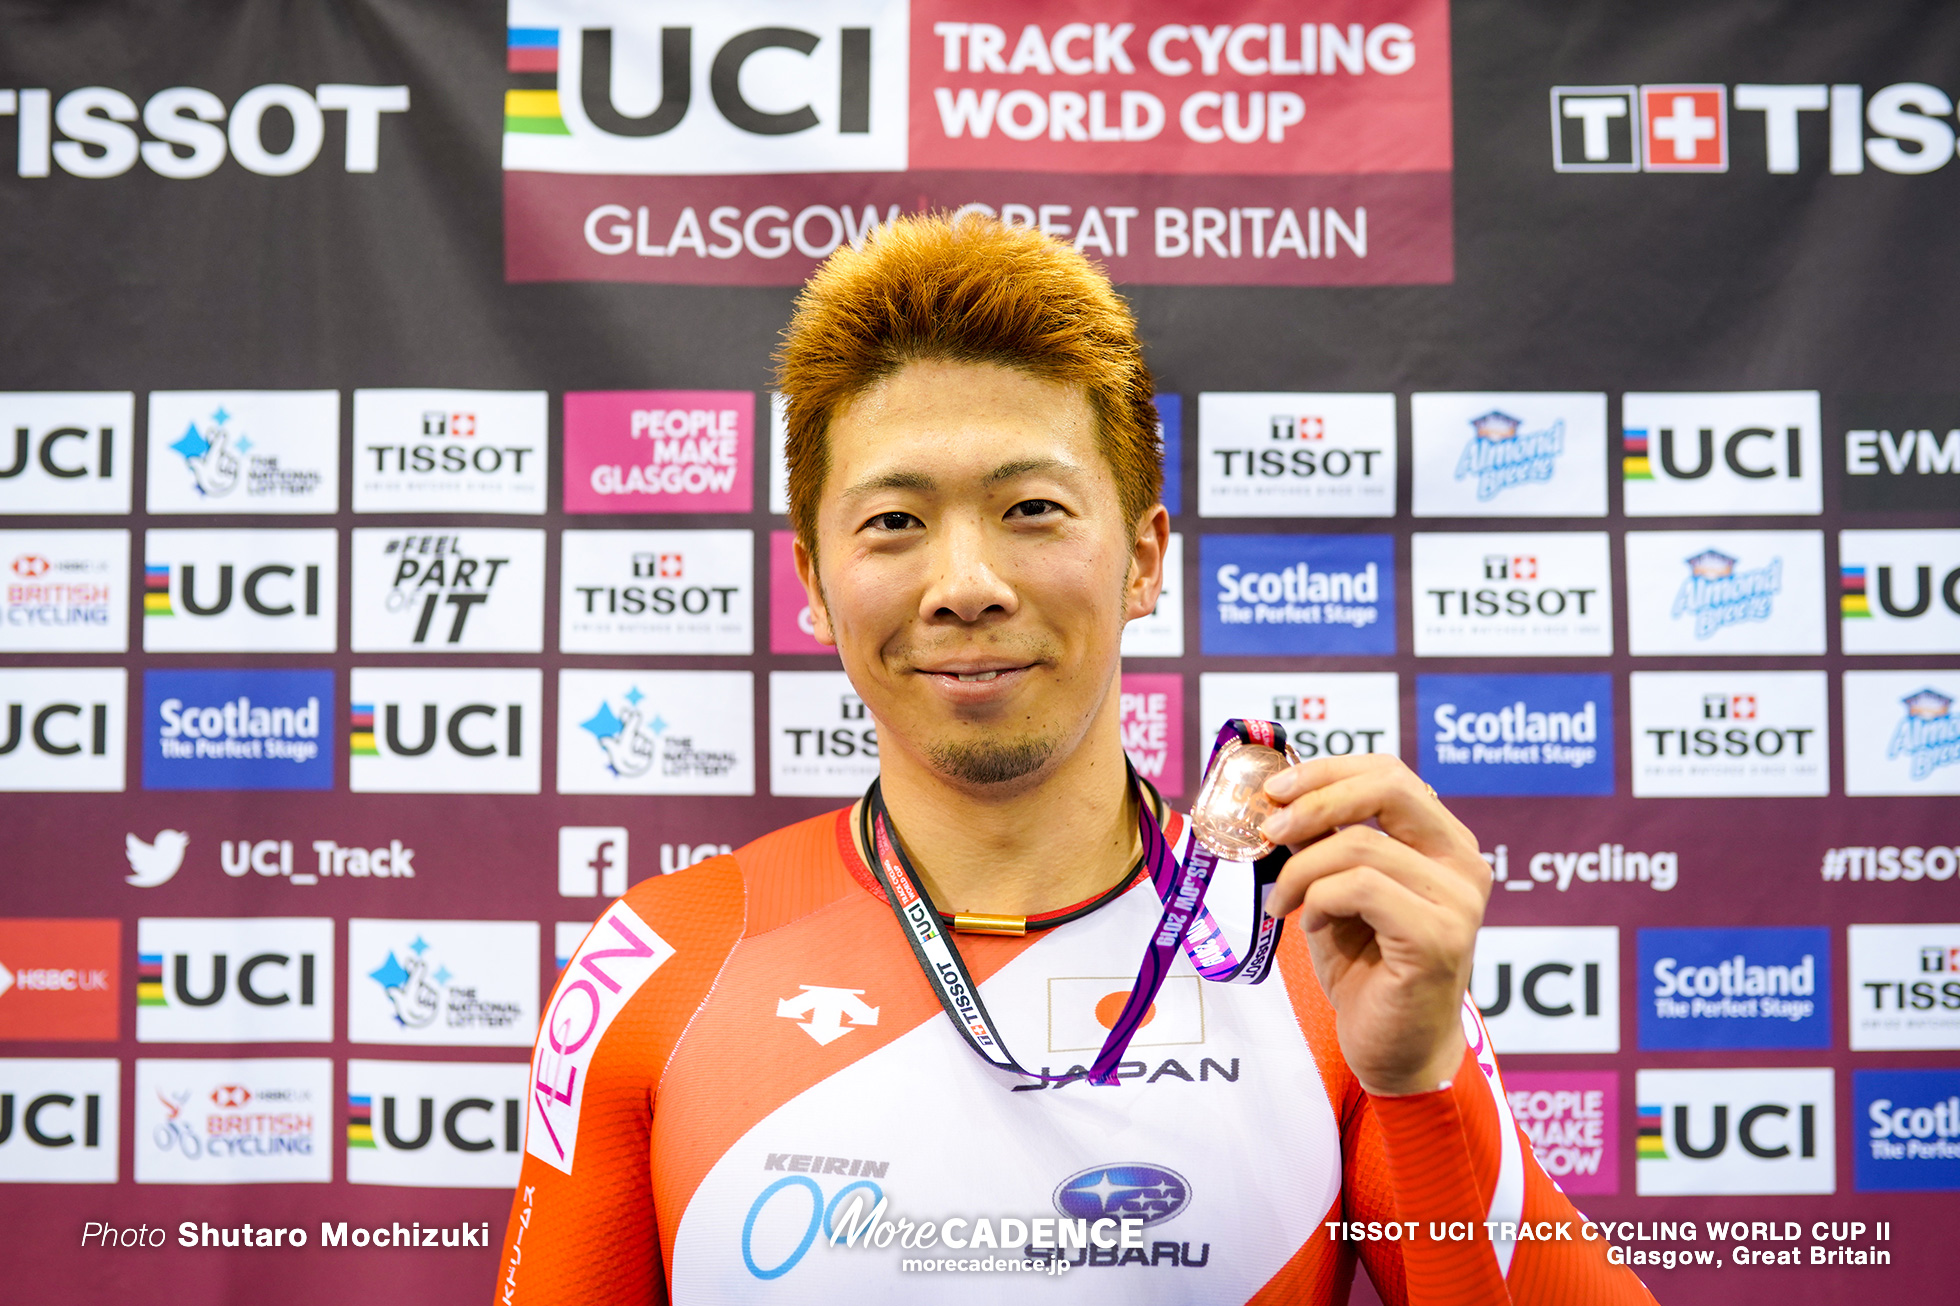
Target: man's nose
x: 966, y: 583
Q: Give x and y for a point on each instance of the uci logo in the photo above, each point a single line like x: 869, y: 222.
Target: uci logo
x: 849, y: 47
x: 434, y: 730
x: 51, y: 452
x: 462, y: 1126
x: 171, y: 980
x: 459, y: 726
x: 58, y: 729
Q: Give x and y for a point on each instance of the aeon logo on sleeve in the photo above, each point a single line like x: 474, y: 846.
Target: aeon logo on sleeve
x: 435, y: 1124
x: 1572, y: 1118
x: 256, y: 1121
x: 1901, y: 732
x: 454, y: 589
x: 1735, y: 1132
x: 59, y: 1120
x: 1536, y: 595
x: 244, y: 451
x: 620, y: 954
x: 656, y: 732
x: 60, y: 980
x: 442, y: 983
x: 1899, y: 591
x: 1509, y: 455
x: 64, y: 591
x: 449, y: 451
x: 638, y: 451
x: 1908, y: 1130
x: 822, y: 740
x: 248, y: 980
x: 1152, y: 713
x: 657, y: 592
x: 70, y: 453
x: 1326, y: 713
x: 240, y: 591
x: 1296, y: 455
x: 1161, y: 634
x: 429, y: 730
x: 62, y: 729
x: 1268, y: 594
x: 1712, y: 593
x: 1548, y: 988
x: 1736, y: 454
x: 237, y: 729
x: 1904, y: 985
x: 1703, y: 734
x: 1516, y: 735
x: 1750, y: 987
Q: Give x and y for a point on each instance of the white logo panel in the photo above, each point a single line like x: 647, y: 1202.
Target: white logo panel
x: 1737, y: 1132
x: 442, y: 983
x: 444, y: 730
x: 70, y: 453
x: 656, y: 732
x: 1731, y: 454
x: 1326, y: 713
x: 657, y: 592
x: 1899, y: 591
x: 1901, y: 733
x: 1512, y: 595
x: 1296, y: 455
x: 449, y: 451
x: 1722, y: 734
x: 1161, y: 634
x: 64, y: 591
x: 822, y: 740
x: 1712, y: 593
x: 448, y: 590
x: 244, y: 451
x: 240, y: 591
x: 435, y: 1124
x: 1548, y: 988
x: 1905, y: 986
x: 62, y: 729
x: 66, y: 1115
x: 240, y: 980
x: 592, y: 859
x: 1509, y: 455
x: 266, y: 1120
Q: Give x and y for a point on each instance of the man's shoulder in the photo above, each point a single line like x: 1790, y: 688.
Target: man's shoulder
x: 767, y: 883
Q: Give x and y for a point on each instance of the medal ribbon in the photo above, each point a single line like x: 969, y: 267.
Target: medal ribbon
x: 1180, y: 886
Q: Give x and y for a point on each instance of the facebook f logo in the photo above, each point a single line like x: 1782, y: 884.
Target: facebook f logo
x: 591, y: 861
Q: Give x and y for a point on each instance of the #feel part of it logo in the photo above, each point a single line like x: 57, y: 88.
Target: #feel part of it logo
x: 464, y: 590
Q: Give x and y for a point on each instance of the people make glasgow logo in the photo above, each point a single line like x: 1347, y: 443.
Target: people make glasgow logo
x: 1715, y: 594
x: 1500, y: 455
x: 1928, y: 735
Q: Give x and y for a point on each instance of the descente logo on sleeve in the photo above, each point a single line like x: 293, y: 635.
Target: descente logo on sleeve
x: 617, y: 957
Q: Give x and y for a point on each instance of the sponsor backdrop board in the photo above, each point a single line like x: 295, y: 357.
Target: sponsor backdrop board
x: 395, y: 564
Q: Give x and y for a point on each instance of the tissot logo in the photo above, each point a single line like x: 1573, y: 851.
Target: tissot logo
x: 435, y: 1124
x: 1725, y: 592
x: 59, y: 1120
x: 463, y: 590
x: 1901, y: 454
x: 1538, y: 595
x: 1904, y: 986
x: 1326, y: 714
x: 62, y: 729
x: 1549, y: 989
x: 1899, y: 591
x: 442, y: 983
x: 657, y: 592
x: 1701, y: 734
x: 1296, y: 455
x: 444, y: 730
x: 262, y: 1120
x: 237, y: 729
x: 257, y: 980
x: 244, y: 451
x: 1735, y: 1132
x: 1509, y: 455
x: 60, y: 979
x: 1901, y: 733
x: 1549, y: 734
x: 69, y: 453
x: 449, y: 451
x: 1726, y: 454
x: 1906, y: 1130
x: 1266, y: 594
x: 822, y: 740
x: 656, y: 732
x: 240, y: 591
x: 185, y: 138
x: 64, y: 591
x: 1735, y: 988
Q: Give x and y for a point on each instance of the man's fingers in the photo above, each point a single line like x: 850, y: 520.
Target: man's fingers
x: 1365, y: 893
x: 1364, y: 846
x: 1386, y: 791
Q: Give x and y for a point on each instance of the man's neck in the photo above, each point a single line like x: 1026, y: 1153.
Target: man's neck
x: 1018, y: 850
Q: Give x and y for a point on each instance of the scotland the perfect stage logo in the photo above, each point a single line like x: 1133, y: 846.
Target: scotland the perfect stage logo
x: 236, y: 729
x: 1735, y: 988
x: 1501, y: 454
x: 1516, y: 735
x: 1268, y: 594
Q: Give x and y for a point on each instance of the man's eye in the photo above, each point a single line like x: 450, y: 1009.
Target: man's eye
x: 1034, y: 508
x: 893, y: 521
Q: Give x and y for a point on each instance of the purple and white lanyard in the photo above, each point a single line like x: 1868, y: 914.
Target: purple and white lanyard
x: 1181, y: 886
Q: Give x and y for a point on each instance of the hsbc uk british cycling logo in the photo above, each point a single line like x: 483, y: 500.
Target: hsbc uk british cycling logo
x: 1129, y: 1191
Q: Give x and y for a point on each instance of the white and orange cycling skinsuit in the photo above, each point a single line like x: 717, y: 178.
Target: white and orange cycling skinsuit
x: 741, y: 1051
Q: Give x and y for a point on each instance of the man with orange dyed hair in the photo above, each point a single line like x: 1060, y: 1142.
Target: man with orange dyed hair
x: 907, y: 1050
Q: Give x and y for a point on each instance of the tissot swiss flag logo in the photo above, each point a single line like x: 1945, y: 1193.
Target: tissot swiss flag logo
x: 1687, y: 128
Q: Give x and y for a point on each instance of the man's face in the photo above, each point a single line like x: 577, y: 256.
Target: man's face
x: 974, y: 568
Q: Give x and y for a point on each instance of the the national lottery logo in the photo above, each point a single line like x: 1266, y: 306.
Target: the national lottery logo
x: 1501, y: 454
x: 1927, y: 737
x: 253, y: 451
x: 635, y: 738
x: 443, y: 983
x: 656, y: 732
x: 1715, y: 594
x: 220, y: 456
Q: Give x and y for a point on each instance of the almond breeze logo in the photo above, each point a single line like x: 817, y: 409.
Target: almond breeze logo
x: 1735, y: 988
x: 1326, y: 594
x: 236, y: 729
x: 1928, y: 735
x: 1715, y: 594
x: 1516, y: 735
x: 1501, y: 454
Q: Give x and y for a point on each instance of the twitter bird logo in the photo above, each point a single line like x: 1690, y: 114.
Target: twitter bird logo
x: 155, y: 862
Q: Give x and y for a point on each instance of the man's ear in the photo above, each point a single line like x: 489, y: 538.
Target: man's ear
x: 1146, y: 579
x: 806, y: 571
